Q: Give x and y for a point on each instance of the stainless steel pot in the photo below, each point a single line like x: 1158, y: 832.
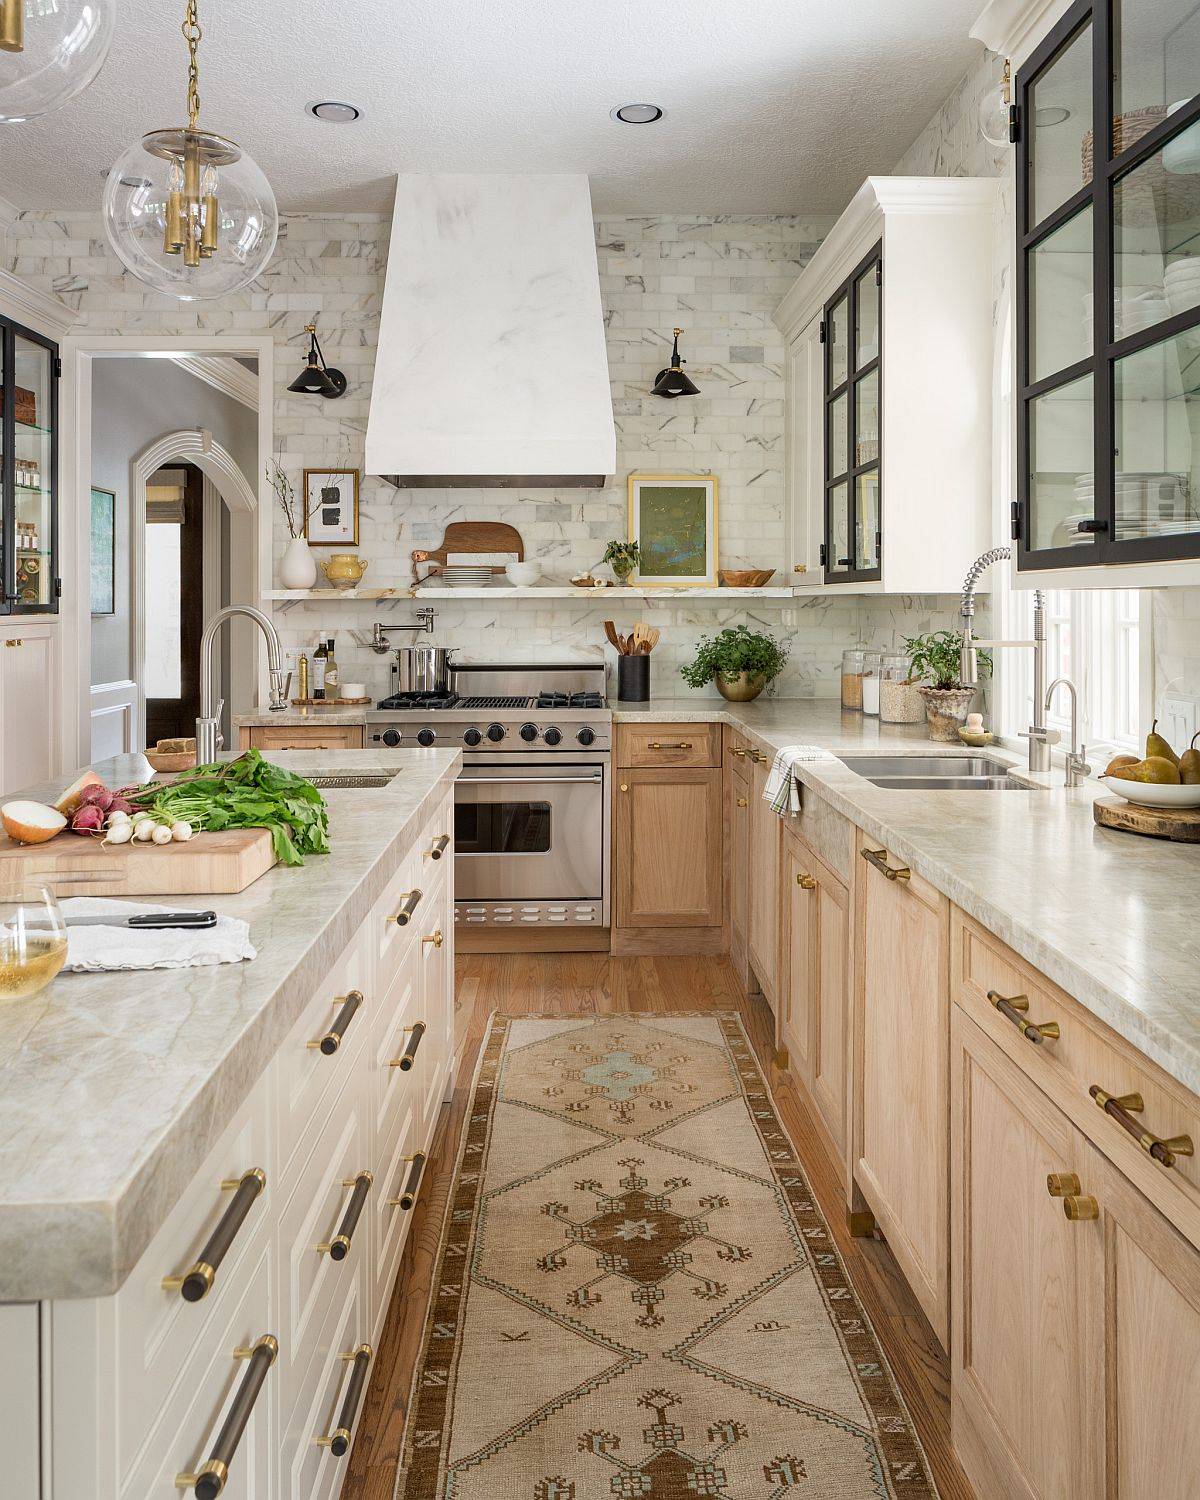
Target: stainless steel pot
x: 423, y: 669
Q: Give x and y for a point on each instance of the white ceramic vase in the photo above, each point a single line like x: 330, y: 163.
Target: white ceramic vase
x: 298, y: 567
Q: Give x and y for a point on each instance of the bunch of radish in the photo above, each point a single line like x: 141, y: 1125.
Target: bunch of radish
x: 89, y: 807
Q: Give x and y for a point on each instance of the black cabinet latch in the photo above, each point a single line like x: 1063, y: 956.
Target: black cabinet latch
x: 1015, y: 520
x: 824, y: 554
x: 1014, y: 123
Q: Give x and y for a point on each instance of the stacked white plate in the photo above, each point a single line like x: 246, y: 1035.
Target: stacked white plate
x: 1134, y: 308
x: 1148, y: 503
x: 466, y: 576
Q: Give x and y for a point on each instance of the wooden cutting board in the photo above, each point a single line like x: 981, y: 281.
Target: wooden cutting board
x: 209, y: 864
x: 1179, y: 823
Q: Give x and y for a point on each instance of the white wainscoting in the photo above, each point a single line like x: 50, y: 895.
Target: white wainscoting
x: 114, y: 719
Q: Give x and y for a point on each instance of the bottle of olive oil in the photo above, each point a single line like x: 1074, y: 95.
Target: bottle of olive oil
x: 332, y: 689
x: 318, y: 673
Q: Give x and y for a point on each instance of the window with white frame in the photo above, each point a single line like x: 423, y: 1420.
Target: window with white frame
x: 1100, y: 639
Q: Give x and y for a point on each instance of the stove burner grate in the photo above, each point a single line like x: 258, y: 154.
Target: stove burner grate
x: 420, y: 700
x: 498, y: 702
x: 572, y: 700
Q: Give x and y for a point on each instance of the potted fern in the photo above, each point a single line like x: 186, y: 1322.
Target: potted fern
x: 739, y: 660
x: 937, y: 658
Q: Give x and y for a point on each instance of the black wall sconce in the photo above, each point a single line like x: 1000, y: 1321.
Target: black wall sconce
x: 317, y: 379
x: 672, y: 381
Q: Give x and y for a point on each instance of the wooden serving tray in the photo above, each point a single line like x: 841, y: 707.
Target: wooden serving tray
x: 463, y: 538
x: 1179, y: 823
x: 209, y: 864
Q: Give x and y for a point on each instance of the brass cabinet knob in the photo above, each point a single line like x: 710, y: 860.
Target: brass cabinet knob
x: 741, y: 801
x: 13, y: 644
x: 806, y: 882
x: 1062, y: 1185
x: 1078, y: 1209
x: 435, y: 938
x: 624, y: 786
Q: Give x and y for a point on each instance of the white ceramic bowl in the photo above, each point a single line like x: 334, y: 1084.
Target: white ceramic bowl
x: 1148, y: 794
x: 522, y: 574
x: 354, y: 690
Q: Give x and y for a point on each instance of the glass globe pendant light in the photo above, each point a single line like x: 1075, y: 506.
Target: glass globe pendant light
x: 995, y: 110
x: 50, y: 50
x: 187, y: 211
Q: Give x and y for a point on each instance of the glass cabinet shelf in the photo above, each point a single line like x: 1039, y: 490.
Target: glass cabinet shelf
x: 1108, y: 288
x: 29, y: 573
x: 851, y: 334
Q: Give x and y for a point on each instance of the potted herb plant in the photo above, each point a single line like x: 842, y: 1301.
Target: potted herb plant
x: 739, y: 660
x: 937, y: 657
x: 622, y: 558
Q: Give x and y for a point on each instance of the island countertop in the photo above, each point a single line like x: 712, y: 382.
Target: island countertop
x: 114, y: 1087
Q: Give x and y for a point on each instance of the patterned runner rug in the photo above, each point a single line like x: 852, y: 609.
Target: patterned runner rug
x: 637, y: 1295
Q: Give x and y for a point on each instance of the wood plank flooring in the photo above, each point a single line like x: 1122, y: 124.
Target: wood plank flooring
x: 596, y: 983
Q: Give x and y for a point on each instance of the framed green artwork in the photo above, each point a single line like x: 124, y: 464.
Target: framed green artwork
x: 673, y: 519
x: 104, y: 552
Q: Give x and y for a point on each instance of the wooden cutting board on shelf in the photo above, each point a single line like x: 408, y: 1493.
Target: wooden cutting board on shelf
x: 209, y: 864
x: 470, y: 538
x: 1179, y: 823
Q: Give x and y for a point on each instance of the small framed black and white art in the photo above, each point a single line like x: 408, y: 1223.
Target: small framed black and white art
x: 331, y: 507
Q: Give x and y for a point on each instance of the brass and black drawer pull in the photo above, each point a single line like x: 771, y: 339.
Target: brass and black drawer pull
x: 338, y: 1441
x: 339, y: 1246
x: 879, y: 859
x: 1122, y: 1107
x: 409, y: 905
x: 209, y: 1481
x: 332, y: 1040
x: 1077, y: 1206
x: 670, y: 745
x: 412, y: 1186
x: 440, y: 845
x: 1013, y: 1008
x: 415, y: 1033
x: 196, y: 1282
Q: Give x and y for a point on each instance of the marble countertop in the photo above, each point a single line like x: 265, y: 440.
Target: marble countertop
x: 310, y: 714
x: 114, y: 1087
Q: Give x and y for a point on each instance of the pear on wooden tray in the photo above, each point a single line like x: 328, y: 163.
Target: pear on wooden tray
x: 1161, y: 778
x: 1189, y: 764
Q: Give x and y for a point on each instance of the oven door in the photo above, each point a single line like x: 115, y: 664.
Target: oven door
x: 530, y: 833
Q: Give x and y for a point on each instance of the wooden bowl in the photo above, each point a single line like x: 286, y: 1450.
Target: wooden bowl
x: 166, y: 763
x: 745, y: 578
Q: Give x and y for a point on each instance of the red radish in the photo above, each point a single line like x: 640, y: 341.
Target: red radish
x: 31, y: 822
x: 73, y: 795
x: 97, y: 796
x: 119, y: 804
x: 88, y: 819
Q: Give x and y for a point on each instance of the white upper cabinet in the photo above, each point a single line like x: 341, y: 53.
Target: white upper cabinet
x: 889, y: 390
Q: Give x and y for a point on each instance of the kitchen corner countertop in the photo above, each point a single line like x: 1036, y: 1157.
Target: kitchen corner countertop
x: 114, y: 1087
x: 1111, y: 917
x: 316, y: 713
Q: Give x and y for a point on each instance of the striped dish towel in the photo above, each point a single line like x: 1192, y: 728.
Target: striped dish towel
x: 782, y: 790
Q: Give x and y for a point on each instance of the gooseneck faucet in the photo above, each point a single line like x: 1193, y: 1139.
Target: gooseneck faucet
x: 208, y: 735
x: 1078, y: 769
x: 1040, y: 739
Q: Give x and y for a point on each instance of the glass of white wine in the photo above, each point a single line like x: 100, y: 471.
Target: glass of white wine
x: 33, y: 942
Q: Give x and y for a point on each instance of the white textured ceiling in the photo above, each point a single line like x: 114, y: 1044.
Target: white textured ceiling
x: 773, y: 106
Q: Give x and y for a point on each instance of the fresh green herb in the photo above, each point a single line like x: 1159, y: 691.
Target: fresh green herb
x: 622, y: 557
x: 249, y: 792
x: 937, y: 656
x: 732, y: 652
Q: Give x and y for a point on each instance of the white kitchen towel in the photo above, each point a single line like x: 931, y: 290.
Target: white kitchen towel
x: 93, y: 950
x: 782, y: 790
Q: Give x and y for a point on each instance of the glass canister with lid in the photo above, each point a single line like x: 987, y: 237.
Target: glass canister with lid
x: 872, y: 670
x: 899, y: 700
x: 852, y: 678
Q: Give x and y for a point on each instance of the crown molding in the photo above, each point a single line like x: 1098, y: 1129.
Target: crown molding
x: 1012, y: 28
x: 29, y: 305
x: 224, y: 374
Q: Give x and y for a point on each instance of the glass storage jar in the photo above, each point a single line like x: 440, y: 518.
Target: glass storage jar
x: 899, y: 700
x: 872, y: 667
x: 852, y: 678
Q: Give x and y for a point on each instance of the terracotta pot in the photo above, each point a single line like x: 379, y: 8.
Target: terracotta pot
x: 946, y: 710
x: 744, y: 687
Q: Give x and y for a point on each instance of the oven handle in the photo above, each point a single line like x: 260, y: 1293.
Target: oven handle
x: 530, y: 780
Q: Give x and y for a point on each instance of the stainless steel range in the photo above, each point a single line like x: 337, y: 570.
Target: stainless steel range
x: 532, y: 803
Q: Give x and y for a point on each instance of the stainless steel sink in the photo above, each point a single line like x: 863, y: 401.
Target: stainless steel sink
x: 937, y: 773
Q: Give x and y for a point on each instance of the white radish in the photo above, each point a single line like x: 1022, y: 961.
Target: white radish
x: 181, y: 832
x: 144, y: 830
x: 119, y: 833
x: 117, y: 818
x: 141, y: 816
x: 161, y: 834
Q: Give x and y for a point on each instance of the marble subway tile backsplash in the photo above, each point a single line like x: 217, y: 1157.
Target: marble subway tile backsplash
x: 718, y: 277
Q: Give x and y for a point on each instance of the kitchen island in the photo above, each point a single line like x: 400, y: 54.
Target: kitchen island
x: 141, y: 1114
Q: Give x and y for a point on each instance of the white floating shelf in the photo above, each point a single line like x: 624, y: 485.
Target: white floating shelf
x: 605, y: 597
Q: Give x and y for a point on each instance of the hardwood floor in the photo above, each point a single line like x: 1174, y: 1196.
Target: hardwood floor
x: 595, y: 983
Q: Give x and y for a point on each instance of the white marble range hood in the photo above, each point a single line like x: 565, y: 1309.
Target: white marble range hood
x: 492, y: 368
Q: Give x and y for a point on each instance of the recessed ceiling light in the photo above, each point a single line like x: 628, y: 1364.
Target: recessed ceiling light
x: 334, y: 113
x: 636, y: 114
x: 1051, y: 114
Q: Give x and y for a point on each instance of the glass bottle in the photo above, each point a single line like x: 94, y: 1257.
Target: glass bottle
x: 872, y: 668
x: 852, y: 678
x: 899, y: 701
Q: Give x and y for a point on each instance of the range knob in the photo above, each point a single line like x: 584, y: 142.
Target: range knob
x: 472, y: 737
x: 529, y: 732
x: 426, y: 736
x: 587, y: 735
x: 495, y: 733
x: 552, y: 736
x: 391, y: 737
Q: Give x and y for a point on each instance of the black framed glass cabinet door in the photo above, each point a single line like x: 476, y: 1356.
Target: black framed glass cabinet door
x: 29, y: 573
x: 1108, y: 287
x: 851, y: 331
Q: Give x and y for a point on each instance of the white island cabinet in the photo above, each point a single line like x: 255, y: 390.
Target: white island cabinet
x: 238, y: 1347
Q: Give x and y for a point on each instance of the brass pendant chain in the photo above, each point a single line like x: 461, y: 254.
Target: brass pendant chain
x: 192, y: 34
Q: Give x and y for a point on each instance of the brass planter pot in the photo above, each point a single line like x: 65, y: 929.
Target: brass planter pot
x: 742, y: 688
